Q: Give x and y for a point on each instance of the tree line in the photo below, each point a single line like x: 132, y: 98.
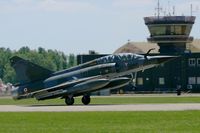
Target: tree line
x: 51, y: 59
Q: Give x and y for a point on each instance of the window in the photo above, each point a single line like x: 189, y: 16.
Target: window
x: 140, y: 81
x: 157, y: 30
x: 183, y: 30
x: 177, y: 30
x: 192, y: 80
x: 198, y: 62
x: 188, y: 29
x: 198, y: 80
x: 168, y: 30
x: 191, y: 62
x: 161, y: 81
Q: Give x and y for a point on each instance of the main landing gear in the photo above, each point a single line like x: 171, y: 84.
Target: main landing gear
x: 69, y: 100
x: 85, y: 100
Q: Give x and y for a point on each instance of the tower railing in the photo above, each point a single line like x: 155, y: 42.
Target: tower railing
x: 161, y: 19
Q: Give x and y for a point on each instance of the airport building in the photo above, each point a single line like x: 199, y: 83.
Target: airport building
x: 169, y: 35
x: 172, y: 35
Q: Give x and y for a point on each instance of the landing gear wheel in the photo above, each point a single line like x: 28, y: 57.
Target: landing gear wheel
x: 69, y: 100
x: 85, y: 100
x: 178, y: 92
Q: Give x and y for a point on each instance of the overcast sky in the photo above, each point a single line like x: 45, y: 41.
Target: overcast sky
x: 76, y: 26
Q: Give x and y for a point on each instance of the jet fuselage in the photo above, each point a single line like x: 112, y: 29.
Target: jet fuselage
x: 107, y: 72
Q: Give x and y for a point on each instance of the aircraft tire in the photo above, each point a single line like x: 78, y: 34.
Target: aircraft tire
x: 85, y: 100
x: 69, y: 100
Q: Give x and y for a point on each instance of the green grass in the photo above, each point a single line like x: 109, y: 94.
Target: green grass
x: 107, y: 100
x: 101, y: 122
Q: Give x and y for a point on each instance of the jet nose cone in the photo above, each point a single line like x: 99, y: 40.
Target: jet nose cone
x: 164, y: 59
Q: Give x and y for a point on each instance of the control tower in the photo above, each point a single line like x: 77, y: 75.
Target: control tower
x: 171, y: 33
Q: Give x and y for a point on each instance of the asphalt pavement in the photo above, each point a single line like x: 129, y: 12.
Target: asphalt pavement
x: 83, y: 108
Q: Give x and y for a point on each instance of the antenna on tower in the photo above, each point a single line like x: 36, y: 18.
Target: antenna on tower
x: 158, y: 9
x: 192, y: 10
x: 169, y: 11
x: 174, y: 10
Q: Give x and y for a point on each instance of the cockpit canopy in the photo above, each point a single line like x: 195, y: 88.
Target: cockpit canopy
x: 125, y: 57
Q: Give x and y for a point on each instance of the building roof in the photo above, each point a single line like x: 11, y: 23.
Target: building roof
x: 137, y: 47
x: 195, y: 46
x: 143, y: 47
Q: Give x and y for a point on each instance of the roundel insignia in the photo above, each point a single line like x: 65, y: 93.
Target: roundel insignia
x: 25, y: 90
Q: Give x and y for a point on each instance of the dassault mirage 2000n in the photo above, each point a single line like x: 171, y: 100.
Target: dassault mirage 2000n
x: 109, y: 72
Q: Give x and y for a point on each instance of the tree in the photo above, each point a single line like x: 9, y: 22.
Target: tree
x: 72, y: 60
x: 24, y: 50
x: 51, y: 59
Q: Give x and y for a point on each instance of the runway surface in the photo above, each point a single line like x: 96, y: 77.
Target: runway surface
x: 82, y: 108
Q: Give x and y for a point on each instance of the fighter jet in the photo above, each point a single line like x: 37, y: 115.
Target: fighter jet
x: 108, y: 72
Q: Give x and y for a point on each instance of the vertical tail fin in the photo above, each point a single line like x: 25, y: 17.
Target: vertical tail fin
x: 27, y: 71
